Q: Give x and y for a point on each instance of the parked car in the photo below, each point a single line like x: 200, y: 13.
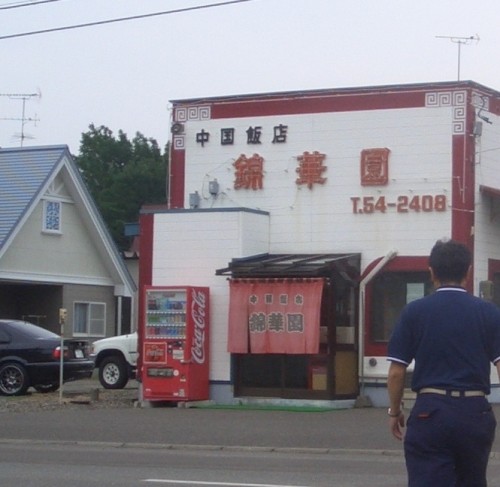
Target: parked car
x: 30, y: 357
x: 116, y: 359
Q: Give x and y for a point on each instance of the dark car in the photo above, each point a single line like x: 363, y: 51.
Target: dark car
x: 30, y: 357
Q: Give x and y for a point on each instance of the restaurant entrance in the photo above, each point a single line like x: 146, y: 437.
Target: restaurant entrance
x: 328, y: 370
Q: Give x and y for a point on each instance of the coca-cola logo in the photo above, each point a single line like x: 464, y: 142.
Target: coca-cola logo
x: 199, y: 318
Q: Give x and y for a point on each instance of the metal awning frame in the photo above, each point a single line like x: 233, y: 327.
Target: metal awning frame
x: 293, y: 265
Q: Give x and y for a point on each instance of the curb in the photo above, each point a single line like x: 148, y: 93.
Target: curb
x: 185, y: 447
x: 236, y: 448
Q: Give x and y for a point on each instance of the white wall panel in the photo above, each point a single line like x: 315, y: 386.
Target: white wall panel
x: 321, y: 219
x: 487, y: 209
x: 188, y: 247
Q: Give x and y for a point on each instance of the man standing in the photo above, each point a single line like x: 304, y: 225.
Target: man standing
x: 452, y: 337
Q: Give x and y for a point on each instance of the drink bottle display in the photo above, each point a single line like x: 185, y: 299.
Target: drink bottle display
x: 174, y: 343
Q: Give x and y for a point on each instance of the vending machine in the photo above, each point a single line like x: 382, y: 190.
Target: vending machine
x: 175, y: 344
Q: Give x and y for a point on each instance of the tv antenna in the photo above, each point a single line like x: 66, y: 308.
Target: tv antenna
x: 23, y: 119
x: 460, y: 41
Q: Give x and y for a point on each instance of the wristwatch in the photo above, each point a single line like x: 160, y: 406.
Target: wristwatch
x: 394, y: 415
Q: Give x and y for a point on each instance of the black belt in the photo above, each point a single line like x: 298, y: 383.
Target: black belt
x: 452, y: 393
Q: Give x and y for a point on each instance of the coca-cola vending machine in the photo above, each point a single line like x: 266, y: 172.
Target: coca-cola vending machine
x: 175, y: 344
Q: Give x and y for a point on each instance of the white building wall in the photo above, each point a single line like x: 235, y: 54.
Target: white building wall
x: 322, y: 219
x: 487, y: 209
x: 189, y: 246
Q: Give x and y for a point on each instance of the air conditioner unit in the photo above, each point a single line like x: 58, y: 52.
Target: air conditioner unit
x: 177, y: 128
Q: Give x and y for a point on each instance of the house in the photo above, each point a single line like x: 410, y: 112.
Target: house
x: 350, y: 187
x: 55, y: 250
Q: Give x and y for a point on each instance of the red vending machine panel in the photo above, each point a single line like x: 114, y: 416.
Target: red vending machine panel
x: 175, y: 344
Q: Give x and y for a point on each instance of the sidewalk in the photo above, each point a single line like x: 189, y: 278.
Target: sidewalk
x: 363, y: 429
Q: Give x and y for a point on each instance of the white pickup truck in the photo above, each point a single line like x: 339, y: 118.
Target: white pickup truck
x: 116, y: 359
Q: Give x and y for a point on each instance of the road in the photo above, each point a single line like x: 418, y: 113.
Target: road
x: 86, y: 465
x: 82, y: 445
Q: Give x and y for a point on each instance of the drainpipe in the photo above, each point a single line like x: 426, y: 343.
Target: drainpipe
x: 361, y: 330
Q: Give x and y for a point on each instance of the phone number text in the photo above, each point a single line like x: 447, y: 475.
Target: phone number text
x: 403, y: 204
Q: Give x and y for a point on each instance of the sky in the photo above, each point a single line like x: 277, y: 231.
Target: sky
x: 123, y: 75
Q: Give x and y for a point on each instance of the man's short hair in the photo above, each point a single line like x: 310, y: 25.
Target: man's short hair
x: 450, y: 260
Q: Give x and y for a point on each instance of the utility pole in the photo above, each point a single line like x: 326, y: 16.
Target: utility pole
x: 460, y: 41
x: 24, y: 120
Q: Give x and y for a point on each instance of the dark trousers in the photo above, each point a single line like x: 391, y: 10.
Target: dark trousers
x: 448, y: 441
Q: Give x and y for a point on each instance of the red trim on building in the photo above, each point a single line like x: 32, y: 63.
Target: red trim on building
x: 463, y: 182
x: 146, y: 223
x: 177, y: 179
x: 305, y: 104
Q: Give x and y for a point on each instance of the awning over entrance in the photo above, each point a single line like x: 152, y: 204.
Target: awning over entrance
x: 488, y: 190
x: 294, y: 265
x: 275, y: 299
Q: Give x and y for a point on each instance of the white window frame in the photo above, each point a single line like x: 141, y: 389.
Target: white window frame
x: 95, y: 317
x: 49, y: 229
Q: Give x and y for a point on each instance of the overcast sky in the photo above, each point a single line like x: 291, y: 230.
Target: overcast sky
x: 124, y: 74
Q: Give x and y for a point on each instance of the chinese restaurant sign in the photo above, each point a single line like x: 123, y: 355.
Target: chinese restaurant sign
x: 249, y: 172
x: 274, y: 316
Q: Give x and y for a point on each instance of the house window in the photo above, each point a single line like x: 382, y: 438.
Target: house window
x: 89, y: 319
x: 392, y: 291
x: 52, y: 216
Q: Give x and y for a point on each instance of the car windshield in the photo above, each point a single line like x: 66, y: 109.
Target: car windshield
x: 31, y: 330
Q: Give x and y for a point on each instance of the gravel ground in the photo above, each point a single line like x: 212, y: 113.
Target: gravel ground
x: 84, y: 397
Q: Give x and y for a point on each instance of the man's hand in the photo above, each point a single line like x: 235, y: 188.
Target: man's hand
x: 396, y: 426
x: 395, y: 387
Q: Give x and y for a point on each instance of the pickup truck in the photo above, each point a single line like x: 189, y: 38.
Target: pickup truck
x: 116, y: 359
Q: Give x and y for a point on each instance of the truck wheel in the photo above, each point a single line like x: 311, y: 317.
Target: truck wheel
x: 113, y: 373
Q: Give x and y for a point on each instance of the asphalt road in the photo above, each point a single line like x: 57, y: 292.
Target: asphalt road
x: 360, y: 429
x: 89, y: 446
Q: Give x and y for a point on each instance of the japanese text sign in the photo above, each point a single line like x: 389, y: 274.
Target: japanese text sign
x: 275, y: 316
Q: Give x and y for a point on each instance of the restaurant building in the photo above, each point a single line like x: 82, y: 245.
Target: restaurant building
x: 310, y: 216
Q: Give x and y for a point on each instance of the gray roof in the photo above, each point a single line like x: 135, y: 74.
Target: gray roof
x: 23, y: 174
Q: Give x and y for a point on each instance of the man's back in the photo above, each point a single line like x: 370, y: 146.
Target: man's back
x: 453, y: 340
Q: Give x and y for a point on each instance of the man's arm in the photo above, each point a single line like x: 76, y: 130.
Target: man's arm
x: 395, y: 389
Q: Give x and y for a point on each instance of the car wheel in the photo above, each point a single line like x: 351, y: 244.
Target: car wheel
x: 13, y: 379
x: 46, y: 387
x: 113, y: 373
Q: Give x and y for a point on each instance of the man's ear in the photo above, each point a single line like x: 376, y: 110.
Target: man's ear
x: 469, y: 273
x: 431, y: 270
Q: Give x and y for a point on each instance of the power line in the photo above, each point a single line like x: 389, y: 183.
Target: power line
x: 30, y: 4
x: 122, y: 19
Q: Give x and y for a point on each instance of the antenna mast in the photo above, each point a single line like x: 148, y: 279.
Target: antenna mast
x: 24, y: 120
x: 460, y: 41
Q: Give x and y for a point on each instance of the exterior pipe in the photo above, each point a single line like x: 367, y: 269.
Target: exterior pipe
x: 361, y: 332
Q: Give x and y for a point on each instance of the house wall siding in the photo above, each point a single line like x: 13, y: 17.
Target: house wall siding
x: 97, y: 294
x: 66, y: 257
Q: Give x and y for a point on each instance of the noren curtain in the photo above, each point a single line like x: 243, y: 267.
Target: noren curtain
x: 274, y: 315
